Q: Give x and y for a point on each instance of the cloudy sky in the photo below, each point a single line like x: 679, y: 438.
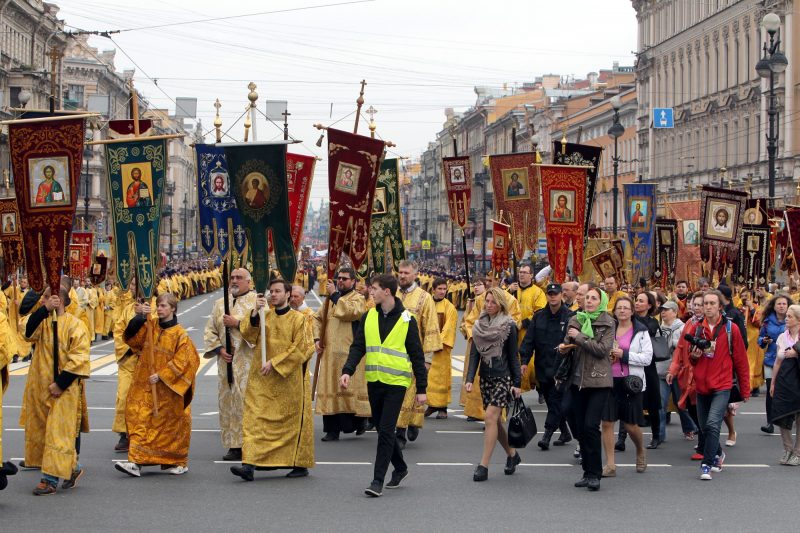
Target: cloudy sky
x: 418, y: 57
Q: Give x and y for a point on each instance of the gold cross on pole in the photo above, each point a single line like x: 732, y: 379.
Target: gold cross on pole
x: 218, y: 121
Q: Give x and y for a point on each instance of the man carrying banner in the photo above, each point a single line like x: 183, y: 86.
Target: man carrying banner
x: 53, y: 407
x: 531, y: 298
x: 231, y: 394
x: 440, y: 373
x: 278, y: 424
x: 421, y: 305
x: 343, y: 411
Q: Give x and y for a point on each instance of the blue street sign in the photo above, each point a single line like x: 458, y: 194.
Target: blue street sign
x: 663, y: 117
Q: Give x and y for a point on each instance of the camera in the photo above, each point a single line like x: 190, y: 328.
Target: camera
x: 698, y: 342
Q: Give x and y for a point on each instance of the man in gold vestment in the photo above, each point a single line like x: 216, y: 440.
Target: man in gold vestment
x: 54, y: 403
x: 440, y: 373
x: 421, y: 305
x: 6, y: 347
x: 611, y: 286
x: 169, y: 361
x: 231, y: 396
x: 278, y: 424
x: 531, y: 298
x: 343, y: 411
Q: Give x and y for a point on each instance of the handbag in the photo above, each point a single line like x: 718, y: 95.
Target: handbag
x: 521, y: 425
x: 661, y: 350
x: 633, y: 384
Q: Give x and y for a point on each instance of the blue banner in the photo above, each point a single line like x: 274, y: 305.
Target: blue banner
x: 220, y: 222
x: 640, y: 216
x: 136, y: 178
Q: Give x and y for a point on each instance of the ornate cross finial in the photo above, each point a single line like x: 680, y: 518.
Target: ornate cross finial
x: 218, y: 121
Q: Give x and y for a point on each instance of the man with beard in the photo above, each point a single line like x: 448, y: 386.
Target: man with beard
x: 681, y: 297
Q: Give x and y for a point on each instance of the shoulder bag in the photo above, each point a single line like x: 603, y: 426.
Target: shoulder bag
x: 521, y: 425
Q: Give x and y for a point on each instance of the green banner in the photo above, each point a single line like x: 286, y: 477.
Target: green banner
x: 258, y: 177
x: 386, y: 233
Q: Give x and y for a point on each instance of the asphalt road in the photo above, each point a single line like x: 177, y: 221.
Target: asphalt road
x: 753, y: 492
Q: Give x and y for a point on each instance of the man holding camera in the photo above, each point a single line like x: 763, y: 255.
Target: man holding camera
x: 717, y: 351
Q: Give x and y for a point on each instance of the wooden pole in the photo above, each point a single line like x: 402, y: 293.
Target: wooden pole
x: 227, y: 308
x: 359, y: 103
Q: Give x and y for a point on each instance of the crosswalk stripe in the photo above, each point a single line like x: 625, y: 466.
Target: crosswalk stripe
x: 110, y: 369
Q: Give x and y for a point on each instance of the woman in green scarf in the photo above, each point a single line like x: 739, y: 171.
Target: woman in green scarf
x: 589, y: 341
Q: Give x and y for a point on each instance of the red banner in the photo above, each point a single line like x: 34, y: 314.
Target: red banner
x: 688, y: 262
x: 501, y: 246
x: 353, y: 165
x: 11, y: 236
x: 46, y: 158
x: 792, y: 217
x: 457, y: 174
x: 516, y: 193
x: 84, y: 240
x: 564, y: 200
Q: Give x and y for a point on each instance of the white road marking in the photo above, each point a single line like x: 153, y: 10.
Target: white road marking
x: 353, y: 463
x: 459, y: 432
x: 561, y: 465
x: 108, y: 370
x: 212, y: 370
x: 314, y: 294
x: 444, y: 464
x: 744, y: 466
x: 210, y: 413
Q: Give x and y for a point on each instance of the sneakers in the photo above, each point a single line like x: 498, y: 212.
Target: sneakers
x: 511, y: 464
x: 44, y: 489
x: 786, y: 456
x: 397, y: 478
x: 794, y: 460
x: 697, y: 456
x: 481, y: 473
x: 73, y: 479
x: 577, y: 453
x: 244, y: 472
x: 375, y: 490
x: 719, y: 460
x: 127, y: 467
x: 177, y: 470
x: 705, y: 472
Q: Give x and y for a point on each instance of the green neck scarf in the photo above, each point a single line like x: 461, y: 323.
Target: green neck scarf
x: 585, y: 319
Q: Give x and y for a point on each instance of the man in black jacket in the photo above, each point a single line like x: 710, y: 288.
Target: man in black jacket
x: 730, y: 311
x: 391, y: 360
x: 546, y: 331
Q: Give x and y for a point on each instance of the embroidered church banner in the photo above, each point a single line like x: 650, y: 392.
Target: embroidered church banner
x: 665, y: 252
x: 11, y: 236
x: 457, y: 175
x: 501, y: 246
x: 564, y: 200
x: 721, y: 218
x: 581, y: 154
x: 516, y: 193
x: 640, y: 216
x: 386, y: 232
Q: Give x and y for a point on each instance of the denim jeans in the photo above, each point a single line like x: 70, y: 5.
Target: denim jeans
x: 687, y: 424
x: 711, y: 411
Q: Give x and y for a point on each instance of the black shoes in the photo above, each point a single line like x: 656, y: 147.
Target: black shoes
x: 481, y: 473
x: 413, y: 433
x: 244, y: 472
x: 544, y: 444
x: 511, y: 464
x: 582, y: 482
x: 330, y: 436
x: 564, y: 438
x: 8, y: 469
x: 401, y: 438
x: 620, y: 445
x: 234, y: 454
x: 375, y: 490
x: 297, y: 472
x: 397, y: 478
x: 769, y: 428
x: 655, y: 443
x: 123, y: 444
x: 593, y: 484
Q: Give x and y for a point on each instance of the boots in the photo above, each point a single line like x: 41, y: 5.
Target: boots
x: 621, y: 436
x: 544, y: 444
x: 565, y: 436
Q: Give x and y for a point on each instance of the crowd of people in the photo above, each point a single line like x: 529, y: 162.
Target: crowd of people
x: 597, y: 354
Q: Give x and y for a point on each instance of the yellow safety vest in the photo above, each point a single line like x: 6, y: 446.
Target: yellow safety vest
x: 387, y: 361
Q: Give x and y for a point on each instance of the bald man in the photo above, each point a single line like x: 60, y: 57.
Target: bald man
x: 231, y: 396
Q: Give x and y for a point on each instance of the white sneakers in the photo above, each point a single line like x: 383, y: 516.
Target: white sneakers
x: 132, y: 469
x: 177, y: 470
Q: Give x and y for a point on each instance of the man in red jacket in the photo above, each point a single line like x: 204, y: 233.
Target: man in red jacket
x: 714, y: 366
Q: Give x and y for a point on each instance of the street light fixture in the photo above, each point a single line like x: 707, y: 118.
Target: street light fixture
x: 773, y: 62
x: 616, y: 131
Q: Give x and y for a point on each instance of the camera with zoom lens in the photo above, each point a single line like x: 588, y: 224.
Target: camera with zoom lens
x: 698, y: 342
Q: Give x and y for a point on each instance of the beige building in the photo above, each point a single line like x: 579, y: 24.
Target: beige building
x: 699, y: 58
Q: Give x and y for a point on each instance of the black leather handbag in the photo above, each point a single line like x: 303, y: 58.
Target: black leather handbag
x: 521, y: 425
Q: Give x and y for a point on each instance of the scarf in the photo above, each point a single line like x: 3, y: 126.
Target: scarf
x: 585, y: 318
x: 490, y: 334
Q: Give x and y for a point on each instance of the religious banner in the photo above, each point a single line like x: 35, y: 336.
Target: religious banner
x: 137, y: 171
x: 386, y: 231
x: 99, y: 269
x: 457, y: 174
x: 564, y: 199
x: 353, y: 165
x: 84, y: 240
x: 665, y: 253
x: 721, y: 216
x: 640, y: 215
x: 688, y: 263
x: 77, y: 252
x: 516, y: 193
x: 752, y: 263
x: 779, y: 239
x: 11, y: 236
x: 46, y: 159
x: 501, y: 246
x: 609, y: 263
x: 259, y: 182
x: 792, y: 218
x: 583, y: 155
x: 299, y: 175
x: 220, y: 222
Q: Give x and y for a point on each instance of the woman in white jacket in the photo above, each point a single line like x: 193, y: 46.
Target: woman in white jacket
x: 632, y: 352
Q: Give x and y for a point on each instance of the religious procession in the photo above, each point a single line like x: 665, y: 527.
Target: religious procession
x: 574, y: 322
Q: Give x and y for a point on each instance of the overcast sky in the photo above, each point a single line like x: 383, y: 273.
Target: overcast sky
x: 418, y: 57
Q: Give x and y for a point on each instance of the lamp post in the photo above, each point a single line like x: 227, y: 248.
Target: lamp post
x: 773, y: 62
x: 616, y: 130
x: 87, y: 154
x: 185, y: 217
x: 426, y: 187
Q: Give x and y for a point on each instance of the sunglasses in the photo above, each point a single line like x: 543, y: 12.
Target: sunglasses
x: 340, y: 278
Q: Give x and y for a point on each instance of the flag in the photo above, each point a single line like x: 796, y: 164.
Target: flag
x: 640, y: 215
x: 665, y: 252
x: 688, y: 262
x: 299, y: 175
x: 516, y: 193
x: 11, y: 236
x: 83, y: 240
x: 46, y: 159
x: 585, y: 155
x: 501, y: 246
x: 353, y: 165
x: 259, y: 182
x: 220, y: 222
x: 386, y: 232
x: 137, y: 173
x: 457, y: 174
x: 721, y: 219
x: 564, y: 199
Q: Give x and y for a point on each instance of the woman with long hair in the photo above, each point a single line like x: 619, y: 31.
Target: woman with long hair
x: 494, y: 348
x: 773, y: 323
x: 785, y: 387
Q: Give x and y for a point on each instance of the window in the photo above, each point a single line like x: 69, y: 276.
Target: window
x: 73, y: 97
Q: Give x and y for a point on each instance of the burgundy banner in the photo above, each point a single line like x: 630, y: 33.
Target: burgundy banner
x: 84, y: 240
x: 501, y: 247
x: 11, y: 236
x: 516, y: 192
x: 299, y: 176
x: 564, y: 200
x: 457, y: 173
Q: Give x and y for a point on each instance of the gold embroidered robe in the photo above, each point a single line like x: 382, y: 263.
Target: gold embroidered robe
x: 440, y: 374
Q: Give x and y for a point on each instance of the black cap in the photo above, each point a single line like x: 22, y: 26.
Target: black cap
x: 553, y: 288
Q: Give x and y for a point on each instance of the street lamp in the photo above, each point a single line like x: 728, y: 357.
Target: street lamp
x: 87, y: 155
x: 185, y: 217
x: 426, y: 188
x: 773, y: 62
x: 616, y: 130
